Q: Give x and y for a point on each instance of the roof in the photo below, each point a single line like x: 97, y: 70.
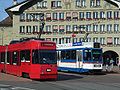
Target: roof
x: 114, y: 2
x: 6, y: 22
x: 20, y: 7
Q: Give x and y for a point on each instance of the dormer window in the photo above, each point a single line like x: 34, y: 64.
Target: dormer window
x: 42, y: 4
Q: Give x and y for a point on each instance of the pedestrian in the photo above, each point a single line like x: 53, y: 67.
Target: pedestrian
x: 107, y: 64
x: 111, y: 64
x: 119, y: 64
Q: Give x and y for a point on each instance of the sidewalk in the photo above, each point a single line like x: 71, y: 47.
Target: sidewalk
x: 114, y: 70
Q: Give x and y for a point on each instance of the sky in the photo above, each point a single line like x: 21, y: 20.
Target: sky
x: 3, y: 5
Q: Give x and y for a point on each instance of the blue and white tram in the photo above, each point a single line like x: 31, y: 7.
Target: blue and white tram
x: 79, y: 57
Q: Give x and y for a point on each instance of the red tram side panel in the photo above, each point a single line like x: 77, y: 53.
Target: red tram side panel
x: 2, y: 58
x: 33, y: 58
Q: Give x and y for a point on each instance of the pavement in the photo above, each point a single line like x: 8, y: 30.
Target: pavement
x: 66, y: 81
x: 115, y: 69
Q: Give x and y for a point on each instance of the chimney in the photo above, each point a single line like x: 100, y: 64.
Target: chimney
x: 14, y: 2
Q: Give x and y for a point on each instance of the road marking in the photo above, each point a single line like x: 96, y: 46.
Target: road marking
x: 21, y: 88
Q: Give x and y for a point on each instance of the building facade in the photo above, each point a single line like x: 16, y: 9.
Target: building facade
x: 68, y: 21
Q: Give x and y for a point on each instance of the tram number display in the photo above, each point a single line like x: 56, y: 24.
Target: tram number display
x: 97, y: 65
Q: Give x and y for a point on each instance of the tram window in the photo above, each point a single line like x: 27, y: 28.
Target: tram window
x: 15, y: 57
x: 63, y: 55
x: 68, y: 54
x: 58, y: 56
x: 35, y: 57
x: 87, y: 55
x: 79, y: 53
x: 73, y: 54
x: 8, y: 57
x: 3, y: 57
x: 25, y: 55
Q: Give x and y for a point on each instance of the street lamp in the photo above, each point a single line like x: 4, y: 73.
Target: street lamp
x: 42, y: 24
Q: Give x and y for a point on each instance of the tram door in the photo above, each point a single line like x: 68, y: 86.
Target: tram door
x: 79, y: 58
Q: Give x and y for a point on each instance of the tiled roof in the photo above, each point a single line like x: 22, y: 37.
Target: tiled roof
x: 6, y: 22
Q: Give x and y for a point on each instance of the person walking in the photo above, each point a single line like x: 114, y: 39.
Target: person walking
x: 107, y: 64
x: 111, y: 64
x: 119, y: 64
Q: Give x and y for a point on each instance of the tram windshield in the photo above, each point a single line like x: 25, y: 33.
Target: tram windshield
x: 97, y: 54
x: 44, y: 57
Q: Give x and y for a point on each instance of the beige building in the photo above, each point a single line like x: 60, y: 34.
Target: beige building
x: 67, y: 21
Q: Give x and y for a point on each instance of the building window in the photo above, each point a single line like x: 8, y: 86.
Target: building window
x: 109, y: 15
x: 102, y: 15
x: 75, y: 28
x: 39, y: 4
x: 116, y: 27
x: 28, y: 29
x: 92, y: 3
x: 48, y: 16
x: 77, y: 3
x: 42, y: 4
x: 22, y: 29
x: 95, y: 28
x: 61, y: 29
x: 116, y: 14
x: 61, y: 40
x: 82, y: 28
x: 88, y: 40
x: 88, y: 15
x: 75, y: 15
x: 55, y: 29
x: 81, y: 15
x: 48, y: 29
x: 116, y: 40
x: 22, y: 17
x: 68, y: 40
x: 109, y: 28
x: 95, y: 39
x: 55, y: 16
x: 102, y: 40
x: 59, y: 4
x: 55, y: 40
x: 61, y: 16
x: 88, y: 27
x: 28, y: 17
x: 83, y: 3
x: 95, y: 15
x: 56, y: 4
x: 97, y: 3
x: 102, y: 27
x: 68, y: 16
x: 68, y: 28
x: 35, y: 29
x: 74, y: 40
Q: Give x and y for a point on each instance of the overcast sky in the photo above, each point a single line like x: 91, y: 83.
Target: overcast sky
x: 3, y: 5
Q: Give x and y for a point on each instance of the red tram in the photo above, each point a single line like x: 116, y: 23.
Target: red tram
x: 33, y: 58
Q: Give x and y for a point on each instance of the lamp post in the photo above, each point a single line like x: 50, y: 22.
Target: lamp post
x: 42, y: 24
